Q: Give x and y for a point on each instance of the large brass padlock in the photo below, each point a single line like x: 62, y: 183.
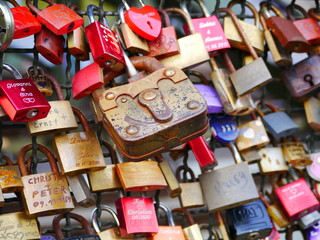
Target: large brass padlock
x: 10, y: 179
x: 44, y: 194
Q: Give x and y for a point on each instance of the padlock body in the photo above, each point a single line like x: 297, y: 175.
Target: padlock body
x: 136, y: 215
x: 249, y: 221
x: 224, y: 128
x: 191, y: 195
x: 22, y: 101
x: 59, y: 19
x: 173, y: 184
x: 10, y: 179
x: 309, y: 220
x: 312, y: 108
x: 279, y: 124
x: 278, y: 215
x: 251, y: 155
x: 302, y: 79
x: 272, y: 161
x: 50, y: 46
x: 309, y: 28
x: 25, y: 24
x: 314, y: 169
x: 297, y: 199
x: 313, y: 233
x: 105, y: 46
x: 212, y: 98
x: 295, y: 154
x: 193, y: 232
x: 43, y: 84
x: 87, y: 80
x: 168, y: 232
x: 287, y: 34
x: 78, y: 45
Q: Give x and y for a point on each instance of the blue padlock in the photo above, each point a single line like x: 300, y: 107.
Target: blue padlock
x: 224, y: 128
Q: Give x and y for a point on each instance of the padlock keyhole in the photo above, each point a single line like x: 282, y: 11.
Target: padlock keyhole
x: 150, y: 25
x: 308, y: 78
x: 3, y: 30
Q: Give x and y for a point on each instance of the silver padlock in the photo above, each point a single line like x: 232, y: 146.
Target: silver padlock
x: 6, y: 26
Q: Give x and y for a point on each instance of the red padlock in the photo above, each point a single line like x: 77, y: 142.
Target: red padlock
x: 57, y: 17
x: 25, y: 24
x: 50, y: 46
x: 21, y: 99
x: 104, y: 44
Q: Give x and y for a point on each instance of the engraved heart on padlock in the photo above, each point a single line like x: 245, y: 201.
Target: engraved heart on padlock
x: 42, y: 84
x: 145, y: 21
x: 249, y: 133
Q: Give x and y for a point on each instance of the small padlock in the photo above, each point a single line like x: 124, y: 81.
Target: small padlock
x: 312, y: 108
x: 309, y: 220
x: 313, y: 169
x: 106, y: 179
x: 89, y: 232
x: 25, y: 24
x: 171, y: 231
x: 313, y: 233
x: 224, y: 128
x: 230, y: 186
x: 254, y: 33
x: 249, y: 221
x: 50, y: 45
x: 104, y: 43
x: 295, y: 152
x: 277, y: 123
x: 10, y: 179
x: 137, y: 216
x: 57, y: 17
x: 79, y: 152
x: 41, y: 80
x: 284, y: 29
x: 191, y: 194
x: 187, y: 44
x: 7, y: 26
x: 44, y: 194
x: 209, y: 27
x: 307, y: 26
x: 21, y: 99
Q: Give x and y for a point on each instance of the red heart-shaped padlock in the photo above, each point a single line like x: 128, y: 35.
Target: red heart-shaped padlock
x: 145, y: 21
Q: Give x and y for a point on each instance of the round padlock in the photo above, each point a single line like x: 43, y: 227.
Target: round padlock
x: 6, y: 26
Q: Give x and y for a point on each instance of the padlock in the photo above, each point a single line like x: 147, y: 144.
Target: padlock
x: 312, y: 108
x: 296, y: 197
x: 45, y: 237
x: 106, y: 179
x: 2, y: 201
x: 25, y: 24
x: 254, y: 75
x: 133, y: 42
x: 190, y: 45
x: 213, y: 233
x: 313, y: 169
x: 171, y: 231
x: 60, y: 117
x: 149, y: 130
x: 10, y: 179
x: 7, y: 26
x: 253, y: 32
x: 203, y: 153
x: 50, y: 45
x: 104, y: 44
x: 224, y: 128
x: 307, y: 26
x: 221, y: 226
x: 173, y: 184
x: 145, y: 21
x: 251, y: 155
x: 274, y: 235
x: 309, y: 220
x: 140, y: 176
x: 44, y: 194
x: 295, y: 152
x: 280, y: 55
x: 207, y: 91
x: 249, y: 221
x: 87, y: 80
x: 230, y: 186
x: 41, y: 80
x: 252, y: 134
x: 275, y: 210
x: 137, y: 216
x: 209, y: 27
x: 21, y: 99
x: 284, y: 29
x: 58, y: 18
x: 191, y: 194
x: 277, y: 123
x: 89, y: 232
x: 313, y: 233
x: 79, y: 152
x: 302, y: 79
x: 193, y: 231
x: 166, y: 44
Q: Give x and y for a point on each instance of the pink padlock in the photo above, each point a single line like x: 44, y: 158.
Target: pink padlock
x: 314, y: 169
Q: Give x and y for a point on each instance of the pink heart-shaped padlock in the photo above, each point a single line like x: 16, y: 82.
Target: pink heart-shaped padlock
x: 145, y: 21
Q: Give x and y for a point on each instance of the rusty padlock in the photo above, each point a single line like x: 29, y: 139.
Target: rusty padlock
x: 10, y: 179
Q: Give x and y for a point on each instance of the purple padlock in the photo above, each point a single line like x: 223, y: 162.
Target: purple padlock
x: 47, y: 238
x: 313, y: 233
x: 211, y: 97
x: 314, y: 169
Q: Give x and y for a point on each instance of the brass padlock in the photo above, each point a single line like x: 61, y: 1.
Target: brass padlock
x: 10, y: 179
x: 295, y: 152
x: 312, y: 108
x: 41, y: 80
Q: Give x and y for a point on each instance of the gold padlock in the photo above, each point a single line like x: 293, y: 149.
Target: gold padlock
x: 295, y: 152
x: 10, y: 179
x: 312, y: 109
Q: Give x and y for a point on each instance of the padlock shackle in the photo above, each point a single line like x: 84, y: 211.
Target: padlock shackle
x: 165, y: 16
x: 22, y: 152
x: 265, y: 11
x: 197, y: 74
x: 203, y: 7
x: 121, y: 12
x: 235, y: 152
x: 290, y: 9
x: 12, y: 70
x: 13, y: 2
x: 90, y: 10
x: 34, y: 9
x: 184, y: 15
x: 186, y: 169
x: 263, y: 22
x: 186, y: 213
x: 82, y: 118
x: 264, y: 200
x: 248, y: 5
x: 167, y: 211
x: 268, y: 104
x: 7, y: 159
x: 84, y: 223
x: 241, y: 31
x: 205, y: 226
x: 149, y: 64
x: 94, y: 217
x: 56, y: 86
x: 112, y: 152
